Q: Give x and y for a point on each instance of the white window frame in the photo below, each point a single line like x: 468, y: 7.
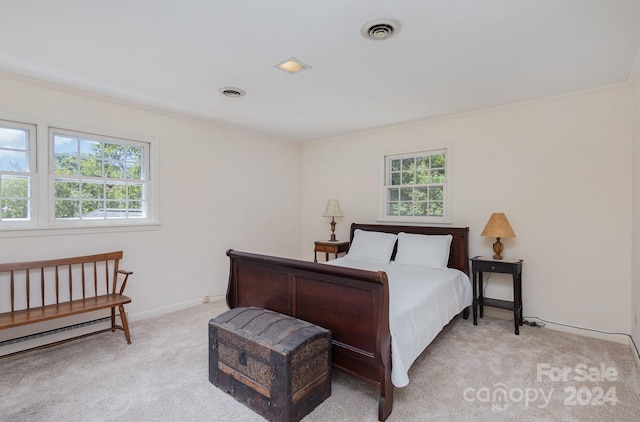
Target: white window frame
x: 31, y: 173
x: 385, y: 183
x: 42, y: 202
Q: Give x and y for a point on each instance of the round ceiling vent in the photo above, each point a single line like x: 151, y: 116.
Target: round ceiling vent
x: 232, y: 92
x: 380, y: 29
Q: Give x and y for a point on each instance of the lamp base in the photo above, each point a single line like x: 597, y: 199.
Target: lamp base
x: 497, y: 249
x: 333, y: 229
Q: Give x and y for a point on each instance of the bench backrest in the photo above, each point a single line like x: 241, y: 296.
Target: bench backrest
x: 26, y: 285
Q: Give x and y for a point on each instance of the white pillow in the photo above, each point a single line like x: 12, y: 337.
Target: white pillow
x: 372, y: 246
x: 425, y: 250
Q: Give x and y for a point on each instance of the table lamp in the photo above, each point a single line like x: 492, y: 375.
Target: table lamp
x: 498, y: 226
x: 332, y: 210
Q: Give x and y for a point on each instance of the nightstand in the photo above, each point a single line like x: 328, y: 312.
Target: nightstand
x: 328, y: 247
x: 480, y: 265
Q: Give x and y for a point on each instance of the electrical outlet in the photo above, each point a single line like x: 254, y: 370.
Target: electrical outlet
x: 205, y: 299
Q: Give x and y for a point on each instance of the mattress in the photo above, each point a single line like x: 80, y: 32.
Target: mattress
x: 421, y: 302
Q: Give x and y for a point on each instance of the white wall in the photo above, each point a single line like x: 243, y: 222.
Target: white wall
x: 560, y: 168
x: 635, y: 282
x: 220, y: 188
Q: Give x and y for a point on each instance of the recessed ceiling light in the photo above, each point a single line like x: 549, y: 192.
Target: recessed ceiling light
x: 293, y: 65
x: 380, y: 29
x: 232, y: 92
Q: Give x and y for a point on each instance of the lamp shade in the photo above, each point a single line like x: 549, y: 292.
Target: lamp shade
x: 498, y: 226
x: 333, y: 209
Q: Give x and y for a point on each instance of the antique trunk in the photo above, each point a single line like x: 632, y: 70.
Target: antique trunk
x: 277, y: 365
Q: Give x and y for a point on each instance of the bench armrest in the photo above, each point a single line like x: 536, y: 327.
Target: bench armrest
x: 124, y: 283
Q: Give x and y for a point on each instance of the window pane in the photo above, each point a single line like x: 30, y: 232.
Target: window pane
x: 392, y: 208
x: 93, y: 190
x: 394, y: 194
x: 395, y: 165
x: 406, y: 194
x: 134, y: 171
x: 437, y: 161
x: 14, y: 209
x: 406, y: 208
x: 436, y: 193
x: 92, y: 209
x: 90, y: 167
x: 65, y: 165
x: 116, y: 205
x: 420, y: 194
x: 14, y: 186
x: 422, y: 163
x: 134, y: 154
x: 437, y: 176
x: 408, y: 164
x: 64, y: 189
x: 13, y: 138
x: 135, y: 191
x: 114, y: 151
x: 114, y: 169
x: 13, y: 160
x: 65, y: 145
x: 395, y: 179
x: 90, y: 148
x: 422, y: 177
x: 407, y: 178
x: 67, y: 209
x: 436, y: 209
x: 116, y: 191
x: 421, y: 208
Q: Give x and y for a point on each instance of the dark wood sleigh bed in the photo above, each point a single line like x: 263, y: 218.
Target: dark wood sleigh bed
x: 352, y: 303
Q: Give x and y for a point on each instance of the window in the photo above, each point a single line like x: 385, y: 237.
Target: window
x: 53, y: 179
x: 95, y: 179
x: 415, y: 187
x: 17, y: 168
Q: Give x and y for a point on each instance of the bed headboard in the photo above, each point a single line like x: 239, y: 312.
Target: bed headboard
x: 459, y: 254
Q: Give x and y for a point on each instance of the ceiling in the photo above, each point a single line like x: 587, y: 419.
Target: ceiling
x: 449, y: 56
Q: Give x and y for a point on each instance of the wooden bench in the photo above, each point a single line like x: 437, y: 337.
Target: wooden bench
x: 37, y: 291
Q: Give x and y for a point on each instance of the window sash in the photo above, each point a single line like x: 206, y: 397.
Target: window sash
x: 17, y: 172
x: 96, y: 179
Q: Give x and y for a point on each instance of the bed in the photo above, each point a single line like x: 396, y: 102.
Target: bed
x: 354, y: 303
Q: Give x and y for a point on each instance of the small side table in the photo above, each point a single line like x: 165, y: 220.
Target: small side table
x: 327, y: 246
x: 480, y: 265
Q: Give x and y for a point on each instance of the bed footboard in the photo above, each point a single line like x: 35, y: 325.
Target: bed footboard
x: 353, y: 304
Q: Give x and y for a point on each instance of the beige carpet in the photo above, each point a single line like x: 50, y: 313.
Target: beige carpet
x: 163, y: 376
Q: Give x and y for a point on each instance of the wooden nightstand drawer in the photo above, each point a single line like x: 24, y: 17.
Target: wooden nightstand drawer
x: 329, y: 247
x: 326, y: 248
x: 494, y: 266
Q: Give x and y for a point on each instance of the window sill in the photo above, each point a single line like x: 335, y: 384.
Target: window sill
x: 67, y: 230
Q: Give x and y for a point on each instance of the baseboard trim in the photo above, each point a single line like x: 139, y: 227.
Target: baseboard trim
x: 156, y: 312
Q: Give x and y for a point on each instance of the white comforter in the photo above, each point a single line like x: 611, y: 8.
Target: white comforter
x: 421, y: 302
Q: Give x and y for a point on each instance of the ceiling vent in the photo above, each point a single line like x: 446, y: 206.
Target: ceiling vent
x: 380, y: 29
x: 232, y: 92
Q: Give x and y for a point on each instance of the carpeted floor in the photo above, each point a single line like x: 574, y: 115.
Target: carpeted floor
x: 468, y: 373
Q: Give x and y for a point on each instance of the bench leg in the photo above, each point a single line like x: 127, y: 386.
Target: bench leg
x: 113, y: 319
x: 125, y: 324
